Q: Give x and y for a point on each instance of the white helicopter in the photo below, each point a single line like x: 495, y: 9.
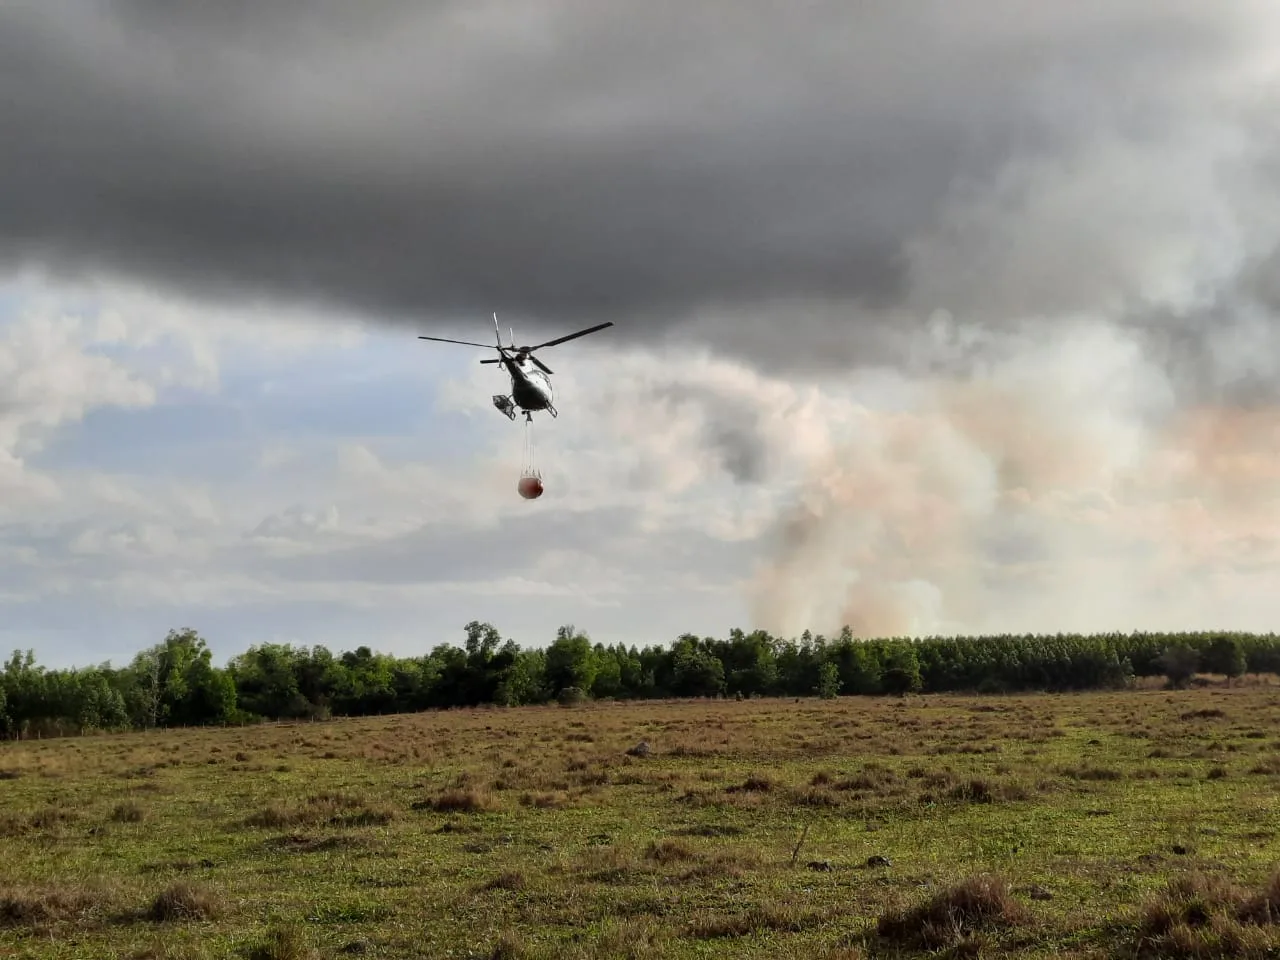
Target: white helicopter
x: 530, y: 389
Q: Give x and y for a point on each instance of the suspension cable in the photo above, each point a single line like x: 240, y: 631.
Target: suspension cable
x: 530, y: 466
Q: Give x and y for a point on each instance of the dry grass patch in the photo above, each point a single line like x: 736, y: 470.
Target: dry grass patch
x: 509, y: 880
x: 332, y: 808
x: 1268, y: 766
x: 459, y: 800
x: 973, y: 906
x: 302, y: 843
x: 49, y: 818
x: 670, y: 851
x: 608, y: 865
x: 726, y: 865
x: 709, y: 830
x: 814, y: 797
x: 165, y: 951
x: 1201, y: 915
x: 1212, y: 713
x: 552, y: 800
x: 630, y: 939
x: 780, y: 917
x: 872, y: 778
x: 185, y: 901
x: 1092, y: 773
x: 284, y: 943
x: 509, y: 946
x: 755, y: 783
x: 979, y: 790
x: 129, y: 811
x: 40, y: 908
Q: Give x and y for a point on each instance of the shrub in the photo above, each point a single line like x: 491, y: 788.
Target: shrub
x: 571, y: 696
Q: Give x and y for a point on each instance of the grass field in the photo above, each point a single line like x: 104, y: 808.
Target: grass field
x: 1022, y: 826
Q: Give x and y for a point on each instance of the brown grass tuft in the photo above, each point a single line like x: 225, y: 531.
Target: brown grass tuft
x: 1092, y: 773
x: 461, y: 801
x: 333, y: 808
x: 544, y: 801
x: 510, y: 880
x: 1269, y: 766
x: 301, y: 843
x: 728, y: 865
x: 1210, y: 714
x: 509, y: 946
x: 284, y: 943
x: 1200, y: 915
x: 755, y: 783
x: 164, y: 951
x: 628, y: 939
x: 17, y: 825
x: 709, y: 830
x: 781, y: 917
x: 972, y: 791
x: 39, y: 908
x: 130, y: 811
x: 1263, y: 908
x: 185, y: 901
x: 607, y: 865
x: 970, y: 907
x: 670, y: 851
x: 873, y: 777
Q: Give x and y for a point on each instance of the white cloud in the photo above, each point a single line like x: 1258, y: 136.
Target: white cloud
x: 48, y: 378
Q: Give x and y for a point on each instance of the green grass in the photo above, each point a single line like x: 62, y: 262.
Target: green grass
x: 1031, y: 826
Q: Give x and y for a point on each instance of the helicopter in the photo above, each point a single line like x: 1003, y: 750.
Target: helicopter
x: 530, y: 388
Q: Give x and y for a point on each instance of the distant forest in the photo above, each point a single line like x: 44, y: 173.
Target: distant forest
x: 175, y: 683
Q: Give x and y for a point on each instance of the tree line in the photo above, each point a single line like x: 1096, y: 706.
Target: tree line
x: 175, y: 683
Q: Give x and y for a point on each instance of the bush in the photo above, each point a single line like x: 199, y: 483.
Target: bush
x: 828, y: 681
x: 1179, y: 664
x: 570, y: 696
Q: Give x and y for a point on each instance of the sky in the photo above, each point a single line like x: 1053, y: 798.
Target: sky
x: 929, y: 319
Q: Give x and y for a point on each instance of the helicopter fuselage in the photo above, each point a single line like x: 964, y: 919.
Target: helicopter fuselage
x: 530, y: 387
x: 530, y: 378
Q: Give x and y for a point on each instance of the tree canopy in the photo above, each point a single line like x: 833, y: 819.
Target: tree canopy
x: 174, y: 683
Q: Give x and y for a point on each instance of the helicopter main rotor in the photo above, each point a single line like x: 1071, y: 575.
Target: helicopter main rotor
x: 522, y: 353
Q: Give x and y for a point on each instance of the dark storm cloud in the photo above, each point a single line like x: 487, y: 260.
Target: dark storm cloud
x: 559, y: 162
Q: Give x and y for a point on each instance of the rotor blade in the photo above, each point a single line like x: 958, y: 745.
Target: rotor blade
x: 494, y: 360
x: 571, y: 336
x: 541, y: 366
x: 466, y: 343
